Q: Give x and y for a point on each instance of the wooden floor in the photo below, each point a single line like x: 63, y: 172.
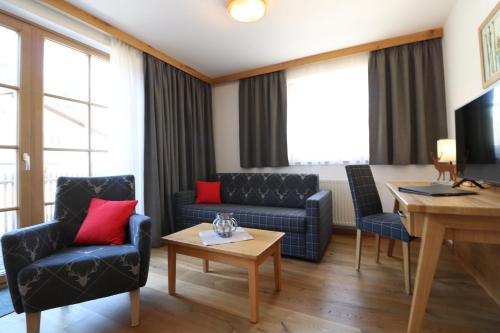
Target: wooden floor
x: 326, y: 297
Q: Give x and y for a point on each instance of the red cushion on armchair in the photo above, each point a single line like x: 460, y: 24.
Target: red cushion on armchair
x: 105, y: 222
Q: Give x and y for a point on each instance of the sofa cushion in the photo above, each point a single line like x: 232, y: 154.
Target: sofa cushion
x: 268, y: 189
x: 78, y: 274
x: 259, y: 217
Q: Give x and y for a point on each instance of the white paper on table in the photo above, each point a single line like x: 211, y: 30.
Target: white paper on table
x: 210, y: 237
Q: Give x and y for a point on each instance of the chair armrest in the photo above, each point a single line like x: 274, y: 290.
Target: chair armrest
x: 140, y: 237
x: 319, y: 221
x: 24, y: 246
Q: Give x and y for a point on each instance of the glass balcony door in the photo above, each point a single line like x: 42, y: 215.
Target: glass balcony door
x: 75, y: 115
x: 14, y: 146
x: 54, y: 119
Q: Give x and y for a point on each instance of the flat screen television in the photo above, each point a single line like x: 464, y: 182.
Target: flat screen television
x: 477, y: 128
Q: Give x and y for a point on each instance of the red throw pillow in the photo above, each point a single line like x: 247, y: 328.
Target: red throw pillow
x: 207, y: 192
x: 105, y: 222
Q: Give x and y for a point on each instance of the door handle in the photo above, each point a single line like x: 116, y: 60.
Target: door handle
x: 27, y: 161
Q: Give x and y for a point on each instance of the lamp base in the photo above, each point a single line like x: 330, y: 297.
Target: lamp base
x: 463, y: 180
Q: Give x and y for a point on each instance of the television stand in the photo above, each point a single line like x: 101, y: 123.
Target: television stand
x: 463, y: 180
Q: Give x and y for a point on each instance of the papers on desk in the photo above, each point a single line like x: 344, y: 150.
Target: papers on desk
x: 210, y: 237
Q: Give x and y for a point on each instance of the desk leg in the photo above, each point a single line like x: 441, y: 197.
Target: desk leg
x: 171, y: 268
x: 277, y: 267
x: 430, y: 249
x: 253, y: 290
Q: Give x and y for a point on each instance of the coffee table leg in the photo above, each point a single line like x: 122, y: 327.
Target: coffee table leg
x: 205, y: 266
x: 277, y: 267
x: 171, y: 269
x: 253, y: 290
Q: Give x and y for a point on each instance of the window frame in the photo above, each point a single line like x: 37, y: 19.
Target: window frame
x: 31, y: 201
x: 89, y: 52
x: 24, y: 99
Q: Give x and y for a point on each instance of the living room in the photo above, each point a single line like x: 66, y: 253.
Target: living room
x: 154, y: 156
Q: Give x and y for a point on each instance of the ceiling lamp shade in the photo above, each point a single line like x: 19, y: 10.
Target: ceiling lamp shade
x: 246, y: 10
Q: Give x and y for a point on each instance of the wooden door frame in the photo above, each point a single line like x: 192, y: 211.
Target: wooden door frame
x: 31, y: 204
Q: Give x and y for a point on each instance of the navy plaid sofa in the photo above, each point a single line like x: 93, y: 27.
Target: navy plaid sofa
x: 291, y: 203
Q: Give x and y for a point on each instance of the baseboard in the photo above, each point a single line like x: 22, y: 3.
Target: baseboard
x: 343, y: 230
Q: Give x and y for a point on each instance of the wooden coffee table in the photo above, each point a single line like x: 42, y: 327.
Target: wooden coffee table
x: 247, y: 254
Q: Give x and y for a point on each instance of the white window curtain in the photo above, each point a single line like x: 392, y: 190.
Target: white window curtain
x: 328, y: 112
x: 127, y: 115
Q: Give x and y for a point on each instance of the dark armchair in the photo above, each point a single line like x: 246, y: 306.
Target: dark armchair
x: 45, y: 271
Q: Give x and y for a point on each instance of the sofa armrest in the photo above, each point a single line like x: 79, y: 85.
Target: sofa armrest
x: 24, y: 246
x: 140, y: 237
x: 319, y: 223
x: 184, y: 198
x: 180, y: 199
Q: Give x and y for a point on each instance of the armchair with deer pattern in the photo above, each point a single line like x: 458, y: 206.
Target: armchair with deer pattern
x: 44, y: 270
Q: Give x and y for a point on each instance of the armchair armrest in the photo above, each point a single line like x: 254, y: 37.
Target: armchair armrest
x: 319, y: 222
x: 140, y: 237
x: 24, y: 246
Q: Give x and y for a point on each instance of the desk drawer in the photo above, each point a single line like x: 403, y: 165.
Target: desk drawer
x: 405, y: 218
x: 413, y: 222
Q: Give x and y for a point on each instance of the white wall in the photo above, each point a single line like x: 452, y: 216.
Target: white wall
x: 462, y: 79
x: 461, y: 54
x: 226, y: 136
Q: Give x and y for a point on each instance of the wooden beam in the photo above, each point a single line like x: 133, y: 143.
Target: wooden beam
x: 372, y: 46
x: 82, y: 15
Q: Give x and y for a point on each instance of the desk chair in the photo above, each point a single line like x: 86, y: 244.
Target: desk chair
x: 371, y: 218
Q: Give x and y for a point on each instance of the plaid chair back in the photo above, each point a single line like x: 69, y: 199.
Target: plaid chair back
x: 73, y: 196
x: 364, y: 191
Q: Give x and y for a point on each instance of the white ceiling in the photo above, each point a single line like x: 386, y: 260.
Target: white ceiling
x: 201, y: 34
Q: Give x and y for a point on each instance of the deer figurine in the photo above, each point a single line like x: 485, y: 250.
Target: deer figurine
x: 443, y: 167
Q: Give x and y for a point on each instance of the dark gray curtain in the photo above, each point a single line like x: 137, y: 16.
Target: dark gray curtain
x: 262, y: 101
x: 179, y: 147
x: 407, y: 103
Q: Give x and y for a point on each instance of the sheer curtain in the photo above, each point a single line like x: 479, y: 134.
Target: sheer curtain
x: 328, y: 112
x: 127, y: 115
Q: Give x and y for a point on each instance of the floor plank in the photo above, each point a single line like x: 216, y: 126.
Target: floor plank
x: 326, y: 297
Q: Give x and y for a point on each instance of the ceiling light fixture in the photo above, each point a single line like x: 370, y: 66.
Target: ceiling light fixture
x: 246, y: 10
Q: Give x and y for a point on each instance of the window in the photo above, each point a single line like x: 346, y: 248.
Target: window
x: 9, y: 142
x: 75, y: 116
x: 328, y: 112
x: 52, y: 107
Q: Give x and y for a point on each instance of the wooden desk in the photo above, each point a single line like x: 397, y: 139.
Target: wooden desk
x: 473, y: 218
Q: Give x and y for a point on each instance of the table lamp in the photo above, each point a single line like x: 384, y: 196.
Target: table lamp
x: 446, y: 155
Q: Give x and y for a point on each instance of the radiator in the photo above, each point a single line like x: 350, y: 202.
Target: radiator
x: 343, y: 209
